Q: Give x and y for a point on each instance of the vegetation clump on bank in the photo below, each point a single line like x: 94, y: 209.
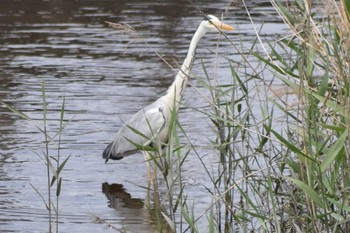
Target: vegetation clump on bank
x: 293, y: 177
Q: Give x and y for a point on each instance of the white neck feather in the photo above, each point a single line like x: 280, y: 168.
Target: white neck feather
x: 177, y: 88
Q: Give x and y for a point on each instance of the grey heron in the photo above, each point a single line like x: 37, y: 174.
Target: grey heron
x: 153, y: 120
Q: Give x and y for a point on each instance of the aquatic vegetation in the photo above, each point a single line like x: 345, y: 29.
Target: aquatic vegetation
x: 283, y: 164
x: 53, y: 163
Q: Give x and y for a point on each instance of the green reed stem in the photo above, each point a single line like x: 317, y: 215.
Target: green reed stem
x: 47, y: 158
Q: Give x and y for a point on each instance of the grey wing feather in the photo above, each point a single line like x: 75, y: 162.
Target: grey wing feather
x: 148, y: 121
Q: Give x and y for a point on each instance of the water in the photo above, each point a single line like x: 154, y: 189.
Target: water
x: 104, y: 79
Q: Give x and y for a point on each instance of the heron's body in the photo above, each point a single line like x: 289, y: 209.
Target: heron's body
x: 153, y: 121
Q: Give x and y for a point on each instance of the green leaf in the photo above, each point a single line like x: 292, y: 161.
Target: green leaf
x: 53, y: 180
x: 289, y: 145
x: 58, y: 191
x: 236, y: 76
x: 342, y: 206
x: 169, y: 221
x: 41, y: 196
x: 15, y: 111
x: 310, y: 61
x: 333, y: 105
x: 346, y: 4
x: 285, y: 11
x: 44, y: 103
x: 137, y: 132
x: 62, y: 112
x: 338, y: 217
x: 323, y: 88
x: 52, y: 168
x: 59, y: 169
x: 179, y: 197
x: 273, y: 65
x: 332, y: 152
x: 309, y: 191
x: 211, y: 222
x: 333, y: 127
x: 188, y: 219
x: 142, y: 147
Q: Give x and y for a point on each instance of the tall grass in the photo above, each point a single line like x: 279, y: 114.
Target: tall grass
x: 53, y: 163
x: 288, y: 178
x: 315, y: 144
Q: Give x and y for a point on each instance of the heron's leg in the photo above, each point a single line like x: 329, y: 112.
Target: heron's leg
x: 148, y: 165
x: 149, y: 177
x: 155, y: 187
x: 152, y: 178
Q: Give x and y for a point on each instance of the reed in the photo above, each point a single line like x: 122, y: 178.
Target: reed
x: 294, y: 178
x: 287, y: 177
x: 53, y: 163
x: 315, y: 142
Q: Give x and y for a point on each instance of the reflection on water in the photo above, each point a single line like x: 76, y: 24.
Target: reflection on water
x: 131, y: 214
x: 120, y: 199
x: 67, y: 45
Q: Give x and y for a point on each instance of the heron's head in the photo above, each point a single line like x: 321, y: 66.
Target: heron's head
x: 212, y: 23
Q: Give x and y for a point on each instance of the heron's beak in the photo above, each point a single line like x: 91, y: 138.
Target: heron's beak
x: 223, y: 26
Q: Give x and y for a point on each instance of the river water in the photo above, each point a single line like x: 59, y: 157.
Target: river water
x: 104, y: 76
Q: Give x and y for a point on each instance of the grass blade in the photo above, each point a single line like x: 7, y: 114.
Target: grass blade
x: 332, y: 153
x: 309, y: 191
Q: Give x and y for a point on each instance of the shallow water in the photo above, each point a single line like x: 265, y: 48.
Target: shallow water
x: 104, y: 76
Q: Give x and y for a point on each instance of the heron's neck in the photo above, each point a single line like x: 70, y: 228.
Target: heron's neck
x: 177, y: 88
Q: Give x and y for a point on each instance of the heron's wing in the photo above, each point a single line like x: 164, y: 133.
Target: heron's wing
x: 148, y: 122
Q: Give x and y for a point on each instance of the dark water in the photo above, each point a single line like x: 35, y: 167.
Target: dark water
x: 104, y: 79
